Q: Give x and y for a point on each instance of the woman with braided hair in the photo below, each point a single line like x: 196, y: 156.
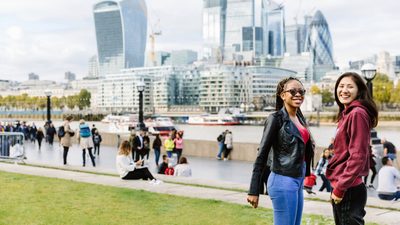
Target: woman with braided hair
x: 286, y: 136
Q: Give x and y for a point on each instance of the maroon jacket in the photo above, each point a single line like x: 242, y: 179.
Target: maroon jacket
x: 351, y: 159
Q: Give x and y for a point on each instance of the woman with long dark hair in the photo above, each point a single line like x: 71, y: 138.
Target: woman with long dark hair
x: 357, y: 116
x: 287, y: 136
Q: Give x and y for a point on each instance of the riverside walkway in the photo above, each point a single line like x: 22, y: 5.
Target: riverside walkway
x: 233, y: 175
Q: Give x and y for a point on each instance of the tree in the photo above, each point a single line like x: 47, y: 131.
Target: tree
x: 84, y: 99
x: 382, y: 89
x: 314, y: 90
x: 327, y: 97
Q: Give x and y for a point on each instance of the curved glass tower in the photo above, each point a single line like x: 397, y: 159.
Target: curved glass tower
x: 319, y: 41
x: 121, y: 34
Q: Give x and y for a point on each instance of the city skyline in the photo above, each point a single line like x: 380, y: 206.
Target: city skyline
x: 49, y: 39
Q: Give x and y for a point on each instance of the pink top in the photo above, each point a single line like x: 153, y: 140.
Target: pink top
x: 178, y: 143
x: 303, y: 132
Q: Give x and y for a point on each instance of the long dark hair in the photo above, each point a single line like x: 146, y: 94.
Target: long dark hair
x: 280, y: 88
x: 363, y: 96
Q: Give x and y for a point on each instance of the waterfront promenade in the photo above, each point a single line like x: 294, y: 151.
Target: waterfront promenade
x: 380, y: 212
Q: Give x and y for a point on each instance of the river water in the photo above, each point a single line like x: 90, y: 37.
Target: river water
x: 249, y: 134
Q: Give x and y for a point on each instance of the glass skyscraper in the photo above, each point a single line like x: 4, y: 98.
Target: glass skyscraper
x: 276, y: 29
x: 121, y: 34
x: 214, y: 28
x: 319, y: 44
x: 239, y: 14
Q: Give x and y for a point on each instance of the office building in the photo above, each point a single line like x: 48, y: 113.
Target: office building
x: 33, y: 76
x: 121, y: 34
x: 319, y: 44
x: 93, y: 67
x: 276, y: 29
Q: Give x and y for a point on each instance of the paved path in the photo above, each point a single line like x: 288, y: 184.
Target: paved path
x: 380, y: 216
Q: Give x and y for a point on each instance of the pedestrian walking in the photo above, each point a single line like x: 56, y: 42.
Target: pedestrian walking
x: 287, y: 136
x: 372, y: 165
x: 157, y: 148
x: 321, y: 170
x: 96, y: 141
x: 85, y: 142
x: 50, y: 133
x: 356, y: 117
x: 65, y: 133
x: 39, y: 136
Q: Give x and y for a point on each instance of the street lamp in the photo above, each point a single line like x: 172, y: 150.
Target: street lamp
x: 48, y: 95
x: 140, y: 87
x: 369, y: 72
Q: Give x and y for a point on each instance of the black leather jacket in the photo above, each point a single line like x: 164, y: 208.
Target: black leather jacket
x: 288, y: 149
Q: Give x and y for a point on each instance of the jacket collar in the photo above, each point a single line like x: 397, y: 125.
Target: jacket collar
x: 290, y: 127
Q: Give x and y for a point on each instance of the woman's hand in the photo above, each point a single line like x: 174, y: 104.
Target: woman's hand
x: 253, y: 200
x: 139, y: 162
x: 336, y: 199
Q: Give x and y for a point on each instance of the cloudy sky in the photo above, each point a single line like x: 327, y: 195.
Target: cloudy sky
x: 50, y: 37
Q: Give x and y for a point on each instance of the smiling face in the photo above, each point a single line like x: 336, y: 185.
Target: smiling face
x: 347, y: 91
x: 293, y: 94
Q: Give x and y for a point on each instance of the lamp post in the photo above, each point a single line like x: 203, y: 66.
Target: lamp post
x: 140, y: 88
x: 369, y: 72
x: 48, y: 95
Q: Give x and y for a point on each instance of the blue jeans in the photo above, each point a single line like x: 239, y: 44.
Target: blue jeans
x: 157, y: 154
x: 221, y: 149
x: 287, y: 198
x: 394, y: 196
x: 392, y: 156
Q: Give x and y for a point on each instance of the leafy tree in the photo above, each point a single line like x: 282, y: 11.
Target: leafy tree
x: 327, y: 96
x: 84, y: 99
x: 314, y: 90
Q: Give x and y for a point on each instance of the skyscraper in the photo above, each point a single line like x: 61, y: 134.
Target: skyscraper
x: 276, y: 29
x: 121, y: 33
x: 319, y: 44
x: 239, y: 21
x: 214, y: 16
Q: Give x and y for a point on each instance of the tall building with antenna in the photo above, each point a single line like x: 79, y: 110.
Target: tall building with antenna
x: 121, y: 34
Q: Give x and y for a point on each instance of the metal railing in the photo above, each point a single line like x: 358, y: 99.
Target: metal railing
x: 12, y: 146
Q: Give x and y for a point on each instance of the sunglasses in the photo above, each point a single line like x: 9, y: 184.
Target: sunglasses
x: 293, y: 92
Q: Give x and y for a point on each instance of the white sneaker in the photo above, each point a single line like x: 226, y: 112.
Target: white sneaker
x: 225, y: 159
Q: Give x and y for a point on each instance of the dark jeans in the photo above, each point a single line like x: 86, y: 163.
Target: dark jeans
x: 350, y: 211
x: 90, y: 154
x: 157, y: 155
x: 227, y: 152
x: 326, y: 184
x: 390, y: 197
x: 142, y: 173
x: 373, y: 176
x: 65, y: 154
x: 97, y: 149
x: 178, y: 153
x: 51, y: 140
x: 40, y: 143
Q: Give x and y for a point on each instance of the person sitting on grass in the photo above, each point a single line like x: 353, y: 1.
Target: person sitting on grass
x: 387, y: 177
x: 164, y: 165
x: 129, y: 170
x: 183, y: 169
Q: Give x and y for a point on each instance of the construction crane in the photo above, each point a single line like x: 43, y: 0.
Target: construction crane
x: 154, y: 32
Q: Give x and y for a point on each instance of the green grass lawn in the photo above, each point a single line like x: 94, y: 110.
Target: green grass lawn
x: 37, y: 200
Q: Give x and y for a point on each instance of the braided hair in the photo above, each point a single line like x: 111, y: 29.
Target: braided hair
x: 280, y: 88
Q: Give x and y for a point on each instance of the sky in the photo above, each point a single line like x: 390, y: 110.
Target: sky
x: 50, y: 37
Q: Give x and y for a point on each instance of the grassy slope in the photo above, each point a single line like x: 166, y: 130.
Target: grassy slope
x: 37, y: 200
